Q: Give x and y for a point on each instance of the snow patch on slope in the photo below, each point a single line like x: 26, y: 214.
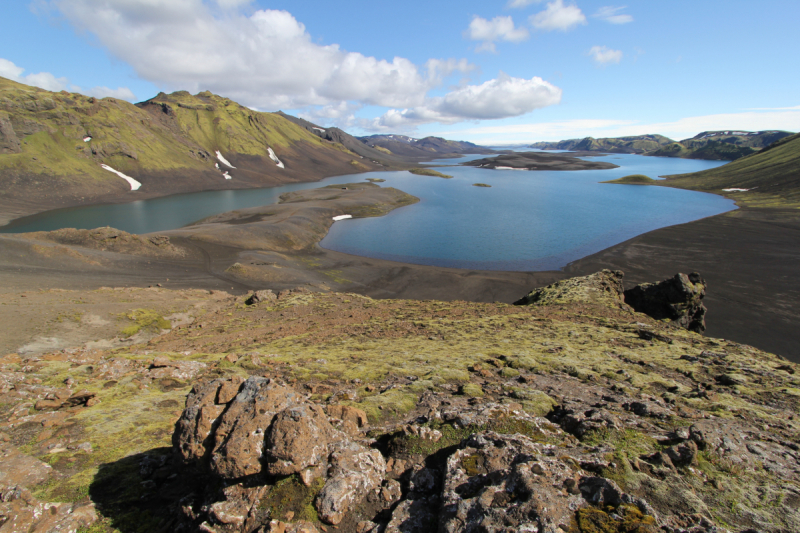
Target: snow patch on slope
x: 275, y: 158
x: 134, y: 184
x: 223, y: 160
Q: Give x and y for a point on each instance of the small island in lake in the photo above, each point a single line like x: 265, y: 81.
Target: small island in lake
x: 481, y: 185
x: 633, y: 179
x: 541, y: 161
x: 429, y: 172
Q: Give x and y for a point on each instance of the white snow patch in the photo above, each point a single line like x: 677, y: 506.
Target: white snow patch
x: 134, y: 184
x: 223, y: 160
x: 216, y: 165
x: 342, y: 217
x: 87, y: 139
x: 735, y: 190
x: 319, y: 129
x: 275, y: 158
x: 509, y: 168
x: 227, y: 176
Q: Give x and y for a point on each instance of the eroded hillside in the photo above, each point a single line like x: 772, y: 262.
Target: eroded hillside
x: 573, y: 413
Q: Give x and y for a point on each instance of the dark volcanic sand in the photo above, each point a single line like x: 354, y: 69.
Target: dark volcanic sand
x: 750, y: 259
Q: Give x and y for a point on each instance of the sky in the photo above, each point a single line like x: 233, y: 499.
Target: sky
x: 490, y: 72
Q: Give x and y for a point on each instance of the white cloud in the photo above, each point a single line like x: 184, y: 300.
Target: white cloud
x: 47, y: 81
x: 495, y: 99
x: 497, y: 29
x: 612, y: 14
x: 233, y: 4
x: 603, y: 55
x: 683, y: 128
x: 265, y: 59
x: 558, y: 16
x: 516, y: 4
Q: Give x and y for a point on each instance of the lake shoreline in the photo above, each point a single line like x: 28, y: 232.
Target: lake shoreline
x: 727, y: 249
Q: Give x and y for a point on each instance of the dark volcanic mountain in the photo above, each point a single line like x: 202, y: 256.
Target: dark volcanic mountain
x: 426, y: 148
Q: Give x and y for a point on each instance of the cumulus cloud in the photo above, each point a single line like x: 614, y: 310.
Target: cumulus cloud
x: 497, y: 29
x: 516, y: 4
x: 47, y: 81
x: 604, y: 55
x: 264, y: 59
x: 558, y: 16
x: 612, y: 14
x: 495, y: 99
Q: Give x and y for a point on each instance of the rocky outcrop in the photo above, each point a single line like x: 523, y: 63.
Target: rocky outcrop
x: 9, y: 143
x: 259, y: 429
x: 678, y: 299
x: 604, y: 287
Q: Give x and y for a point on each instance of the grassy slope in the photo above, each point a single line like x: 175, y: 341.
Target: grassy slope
x: 44, y: 159
x: 773, y: 175
x: 633, y: 179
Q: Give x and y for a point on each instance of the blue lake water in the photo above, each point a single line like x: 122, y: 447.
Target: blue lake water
x: 537, y: 220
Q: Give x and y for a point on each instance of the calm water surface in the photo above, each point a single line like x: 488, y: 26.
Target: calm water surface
x: 526, y: 221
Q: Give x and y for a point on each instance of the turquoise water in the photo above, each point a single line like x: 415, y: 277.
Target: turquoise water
x: 526, y: 221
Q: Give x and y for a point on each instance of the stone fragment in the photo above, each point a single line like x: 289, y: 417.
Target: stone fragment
x: 347, y: 413
x: 261, y: 296
x: 354, y: 472
x: 678, y: 299
x: 298, y: 438
x: 604, y: 287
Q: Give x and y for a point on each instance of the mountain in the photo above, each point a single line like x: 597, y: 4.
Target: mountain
x: 353, y: 144
x: 639, y: 144
x: 423, y: 148
x: 767, y: 177
x: 726, y: 145
x: 53, y: 147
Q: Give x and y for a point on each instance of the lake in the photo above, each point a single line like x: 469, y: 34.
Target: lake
x: 526, y: 220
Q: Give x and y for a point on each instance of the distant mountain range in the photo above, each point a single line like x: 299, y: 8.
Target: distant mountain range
x: 423, y: 149
x: 725, y: 145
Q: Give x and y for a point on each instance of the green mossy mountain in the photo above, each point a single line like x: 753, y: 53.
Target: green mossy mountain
x: 712, y: 145
x: 633, y: 179
x: 768, y: 178
x: 423, y: 148
x: 52, y: 146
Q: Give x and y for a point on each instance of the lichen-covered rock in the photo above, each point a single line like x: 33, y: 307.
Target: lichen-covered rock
x: 298, y: 438
x: 354, y: 472
x: 20, y: 511
x: 240, y: 437
x: 678, y: 299
x: 604, y: 287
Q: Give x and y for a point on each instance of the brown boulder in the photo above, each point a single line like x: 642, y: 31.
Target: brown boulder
x: 298, y: 438
x: 355, y: 471
x: 239, y: 438
x: 678, y: 299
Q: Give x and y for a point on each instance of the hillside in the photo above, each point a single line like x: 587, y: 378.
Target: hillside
x: 53, y: 146
x: 768, y: 178
x: 712, y: 145
x: 299, y: 411
x: 423, y: 149
x: 638, y: 144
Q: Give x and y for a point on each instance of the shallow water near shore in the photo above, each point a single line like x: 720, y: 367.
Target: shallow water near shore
x: 525, y: 221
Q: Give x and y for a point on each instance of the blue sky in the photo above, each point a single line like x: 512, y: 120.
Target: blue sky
x: 510, y: 71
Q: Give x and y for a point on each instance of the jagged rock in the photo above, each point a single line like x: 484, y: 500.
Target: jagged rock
x: 19, y: 469
x: 239, y: 438
x: 678, y: 299
x: 20, y: 511
x: 261, y: 296
x: 604, y: 287
x: 276, y: 526
x: 9, y: 142
x: 163, y: 367
x: 354, y: 472
x: 297, y: 439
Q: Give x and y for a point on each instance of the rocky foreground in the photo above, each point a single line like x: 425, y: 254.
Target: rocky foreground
x: 304, y: 411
